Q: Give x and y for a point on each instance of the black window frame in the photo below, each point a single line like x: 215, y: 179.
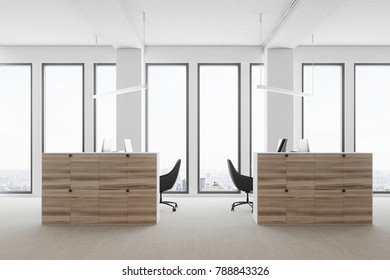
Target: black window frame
x: 342, y: 133
x: 238, y: 65
x: 43, y: 65
x: 354, y: 106
x: 31, y: 127
x: 187, y: 66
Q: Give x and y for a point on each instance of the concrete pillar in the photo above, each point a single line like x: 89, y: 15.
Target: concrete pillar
x: 280, y: 107
x: 130, y: 107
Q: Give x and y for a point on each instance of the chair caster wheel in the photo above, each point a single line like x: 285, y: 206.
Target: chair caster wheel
x: 232, y: 209
x: 174, y: 209
x: 176, y: 206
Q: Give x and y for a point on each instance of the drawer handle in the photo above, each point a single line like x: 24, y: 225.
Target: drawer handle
x: 343, y: 190
x: 344, y: 155
x: 285, y: 190
x: 127, y: 190
x: 70, y: 155
x: 286, y: 155
x: 127, y: 155
x: 70, y: 190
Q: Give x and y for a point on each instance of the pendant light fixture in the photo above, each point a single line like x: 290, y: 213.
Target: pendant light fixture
x: 269, y: 89
x: 132, y: 89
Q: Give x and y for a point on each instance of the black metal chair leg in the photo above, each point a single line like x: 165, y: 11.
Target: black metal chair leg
x: 242, y: 203
x: 171, y: 202
x: 167, y: 203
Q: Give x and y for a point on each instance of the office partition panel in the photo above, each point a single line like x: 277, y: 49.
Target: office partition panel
x: 105, y: 107
x: 167, y: 111
x: 63, y: 100
x: 323, y: 113
x: 218, y: 110
x: 372, y: 119
x: 15, y: 128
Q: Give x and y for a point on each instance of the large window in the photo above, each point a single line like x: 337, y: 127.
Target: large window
x: 322, y: 114
x: 167, y: 118
x: 372, y: 97
x: 105, y: 107
x: 15, y: 132
x: 258, y: 106
x: 63, y: 107
x: 218, y: 125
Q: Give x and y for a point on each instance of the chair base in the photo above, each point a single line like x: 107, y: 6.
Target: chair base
x: 169, y: 203
x: 242, y: 203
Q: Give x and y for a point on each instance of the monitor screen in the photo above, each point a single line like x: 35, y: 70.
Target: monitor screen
x: 128, y: 146
x: 106, y: 147
x: 282, y: 145
x: 303, y: 145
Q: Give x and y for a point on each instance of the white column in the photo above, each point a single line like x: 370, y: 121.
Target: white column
x: 280, y: 107
x: 130, y: 106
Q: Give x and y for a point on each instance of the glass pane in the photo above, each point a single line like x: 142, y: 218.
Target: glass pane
x: 63, y: 108
x: 258, y: 110
x: 105, y: 106
x: 167, y: 99
x: 15, y: 132
x: 218, y: 109
x: 322, y: 113
x: 372, y: 87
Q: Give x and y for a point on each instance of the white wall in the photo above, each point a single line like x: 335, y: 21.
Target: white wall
x: 39, y: 55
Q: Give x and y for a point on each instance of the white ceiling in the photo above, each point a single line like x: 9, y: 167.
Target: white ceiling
x: 193, y: 22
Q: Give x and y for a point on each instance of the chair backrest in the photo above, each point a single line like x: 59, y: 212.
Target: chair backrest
x: 243, y: 183
x: 168, y: 180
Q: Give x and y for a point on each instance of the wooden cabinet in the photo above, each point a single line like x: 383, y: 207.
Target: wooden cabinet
x: 113, y: 188
x: 56, y: 189
x: 272, y: 175
x: 300, y: 189
x: 84, y: 194
x: 329, y: 202
x: 99, y: 188
x: 319, y: 188
x: 358, y: 189
x: 142, y: 203
x: 286, y: 188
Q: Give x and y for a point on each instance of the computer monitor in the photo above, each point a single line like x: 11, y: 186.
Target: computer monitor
x: 106, y: 146
x: 282, y: 145
x: 303, y: 145
x: 128, y: 146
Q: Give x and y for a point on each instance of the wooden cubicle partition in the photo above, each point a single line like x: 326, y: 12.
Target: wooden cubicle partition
x: 100, y: 188
x: 313, y: 188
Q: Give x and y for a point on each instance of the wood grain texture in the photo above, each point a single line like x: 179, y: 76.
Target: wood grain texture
x: 358, y: 189
x: 105, y: 188
x: 315, y: 184
x: 85, y: 189
x: 142, y: 206
x: 142, y: 181
x: 55, y: 189
x: 112, y: 189
x: 300, y: 185
x: 329, y: 183
x: 272, y: 174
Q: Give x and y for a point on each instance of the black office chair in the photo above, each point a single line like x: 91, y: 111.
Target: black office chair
x: 243, y: 183
x: 167, y: 181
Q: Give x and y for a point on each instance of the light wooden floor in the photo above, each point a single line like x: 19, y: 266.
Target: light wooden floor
x: 202, y: 228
